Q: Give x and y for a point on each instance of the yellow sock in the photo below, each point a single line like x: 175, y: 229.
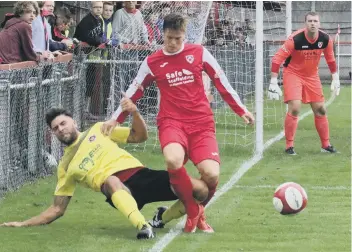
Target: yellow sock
x: 176, y: 211
x: 126, y: 204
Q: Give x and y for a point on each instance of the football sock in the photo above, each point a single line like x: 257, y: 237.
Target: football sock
x: 176, y: 211
x: 322, y: 126
x: 182, y: 185
x: 211, y: 193
x: 291, y: 123
x: 126, y: 204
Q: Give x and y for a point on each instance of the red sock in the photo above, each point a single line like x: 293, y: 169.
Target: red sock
x: 291, y: 123
x: 182, y: 185
x: 211, y: 193
x: 322, y: 126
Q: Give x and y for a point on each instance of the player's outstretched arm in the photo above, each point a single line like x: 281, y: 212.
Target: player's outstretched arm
x: 230, y: 96
x: 139, y: 131
x: 54, y: 212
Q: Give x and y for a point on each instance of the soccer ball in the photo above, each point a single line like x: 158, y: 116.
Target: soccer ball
x: 290, y: 198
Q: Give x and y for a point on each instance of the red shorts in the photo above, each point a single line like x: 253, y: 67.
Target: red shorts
x: 305, y: 89
x: 198, y: 139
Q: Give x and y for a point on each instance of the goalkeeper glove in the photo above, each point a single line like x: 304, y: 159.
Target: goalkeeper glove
x: 274, y: 91
x: 335, y: 84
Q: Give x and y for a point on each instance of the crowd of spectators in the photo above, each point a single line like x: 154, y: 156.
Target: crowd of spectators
x: 43, y: 30
x: 39, y: 31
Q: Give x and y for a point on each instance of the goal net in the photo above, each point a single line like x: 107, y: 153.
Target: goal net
x: 228, y: 30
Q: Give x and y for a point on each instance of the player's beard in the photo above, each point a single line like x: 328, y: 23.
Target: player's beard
x: 68, y: 138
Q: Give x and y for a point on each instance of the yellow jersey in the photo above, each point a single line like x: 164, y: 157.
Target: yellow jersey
x: 92, y: 158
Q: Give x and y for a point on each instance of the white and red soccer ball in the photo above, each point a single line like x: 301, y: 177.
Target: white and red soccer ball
x: 290, y: 198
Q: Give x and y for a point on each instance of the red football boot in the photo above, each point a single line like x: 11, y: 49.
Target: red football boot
x: 203, y: 225
x: 191, y: 223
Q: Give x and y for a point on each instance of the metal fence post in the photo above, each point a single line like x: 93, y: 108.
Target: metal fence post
x: 4, y: 132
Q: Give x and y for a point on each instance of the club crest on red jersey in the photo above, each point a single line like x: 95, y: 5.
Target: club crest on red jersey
x: 320, y: 44
x: 190, y: 59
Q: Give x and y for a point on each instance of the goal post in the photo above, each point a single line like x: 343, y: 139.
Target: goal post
x: 259, y: 79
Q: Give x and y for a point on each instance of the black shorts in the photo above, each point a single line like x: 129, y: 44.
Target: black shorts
x: 148, y: 186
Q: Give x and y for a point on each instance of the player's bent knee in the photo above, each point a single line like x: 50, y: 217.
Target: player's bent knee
x: 210, y: 178
x: 111, y: 185
x: 200, y: 189
x: 294, y: 112
x: 210, y: 171
x: 321, y: 111
x: 174, y: 162
x: 294, y: 107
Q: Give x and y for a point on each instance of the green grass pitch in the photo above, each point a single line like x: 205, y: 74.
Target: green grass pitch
x: 244, y: 218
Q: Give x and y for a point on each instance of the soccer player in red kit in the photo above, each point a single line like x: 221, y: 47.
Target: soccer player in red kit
x: 185, y: 120
x: 301, y: 53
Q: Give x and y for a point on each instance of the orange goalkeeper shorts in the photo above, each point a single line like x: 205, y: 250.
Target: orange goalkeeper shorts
x: 305, y: 89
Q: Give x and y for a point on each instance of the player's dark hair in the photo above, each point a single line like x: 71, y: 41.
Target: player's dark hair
x: 175, y: 22
x: 311, y: 13
x: 52, y: 113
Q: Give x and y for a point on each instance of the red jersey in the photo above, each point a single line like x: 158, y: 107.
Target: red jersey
x: 179, y: 79
x: 302, y: 55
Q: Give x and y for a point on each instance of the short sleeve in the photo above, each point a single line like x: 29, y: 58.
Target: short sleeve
x: 65, y: 184
x: 120, y: 134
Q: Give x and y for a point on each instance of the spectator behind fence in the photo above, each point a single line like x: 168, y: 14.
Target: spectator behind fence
x: 48, y: 11
x: 128, y: 25
x: 154, y: 33
x: 61, y: 28
x: 210, y: 29
x: 107, y: 18
x: 129, y: 28
x: 240, y: 37
x: 165, y: 10
x: 40, y: 27
x: 90, y: 29
x: 16, y: 37
x: 41, y: 31
x: 108, y: 9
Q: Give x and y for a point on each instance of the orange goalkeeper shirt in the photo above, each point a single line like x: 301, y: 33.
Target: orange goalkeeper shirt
x: 302, y: 55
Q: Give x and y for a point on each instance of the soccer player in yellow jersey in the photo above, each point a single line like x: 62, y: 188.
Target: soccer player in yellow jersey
x: 95, y: 161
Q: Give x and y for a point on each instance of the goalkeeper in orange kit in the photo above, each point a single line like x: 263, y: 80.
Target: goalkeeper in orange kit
x: 301, y: 53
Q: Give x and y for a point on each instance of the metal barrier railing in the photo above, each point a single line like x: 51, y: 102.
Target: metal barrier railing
x: 27, y: 90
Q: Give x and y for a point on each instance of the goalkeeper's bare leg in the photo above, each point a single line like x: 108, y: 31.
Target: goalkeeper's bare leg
x: 121, y: 198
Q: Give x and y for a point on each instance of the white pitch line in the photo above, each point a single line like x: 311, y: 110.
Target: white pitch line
x: 323, y: 188
x: 168, y: 237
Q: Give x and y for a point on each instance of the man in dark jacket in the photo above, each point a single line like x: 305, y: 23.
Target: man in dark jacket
x: 90, y: 31
x: 16, y: 37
